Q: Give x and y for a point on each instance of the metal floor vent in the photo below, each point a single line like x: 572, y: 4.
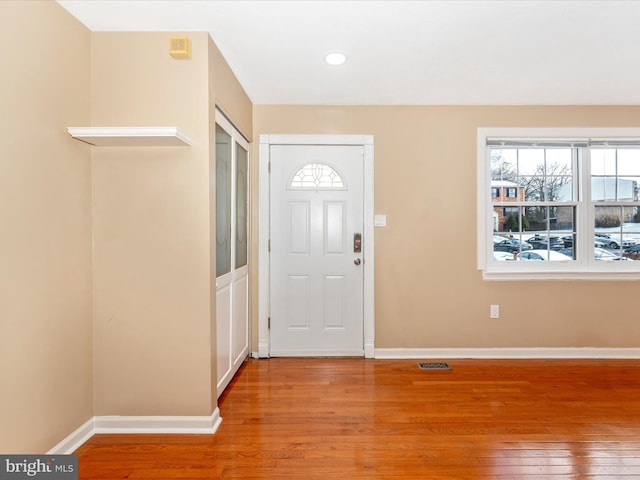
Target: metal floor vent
x: 434, y: 366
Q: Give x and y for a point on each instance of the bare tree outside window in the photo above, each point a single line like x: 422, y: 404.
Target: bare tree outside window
x: 546, y: 184
x: 543, y: 181
x: 534, y: 175
x: 501, y: 168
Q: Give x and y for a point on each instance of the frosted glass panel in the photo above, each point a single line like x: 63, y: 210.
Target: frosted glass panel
x: 317, y: 176
x: 241, y: 206
x: 223, y: 202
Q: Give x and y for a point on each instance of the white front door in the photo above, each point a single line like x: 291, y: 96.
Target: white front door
x: 317, y: 250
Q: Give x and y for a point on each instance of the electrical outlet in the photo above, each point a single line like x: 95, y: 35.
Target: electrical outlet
x: 494, y: 311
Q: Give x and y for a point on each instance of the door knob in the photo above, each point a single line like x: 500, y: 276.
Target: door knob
x: 357, y: 261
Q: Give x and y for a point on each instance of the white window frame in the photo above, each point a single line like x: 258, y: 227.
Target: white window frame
x: 585, y: 269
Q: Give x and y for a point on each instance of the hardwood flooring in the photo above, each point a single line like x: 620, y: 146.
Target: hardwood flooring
x: 338, y: 419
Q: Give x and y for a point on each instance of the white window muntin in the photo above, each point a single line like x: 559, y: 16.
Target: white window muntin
x: 580, y: 139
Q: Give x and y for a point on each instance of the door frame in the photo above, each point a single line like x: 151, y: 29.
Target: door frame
x: 264, y: 287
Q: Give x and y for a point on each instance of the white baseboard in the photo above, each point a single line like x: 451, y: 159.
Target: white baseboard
x: 369, y: 349
x: 150, y: 424
x: 74, y: 440
x: 263, y: 349
x: 142, y: 424
x: 507, y: 353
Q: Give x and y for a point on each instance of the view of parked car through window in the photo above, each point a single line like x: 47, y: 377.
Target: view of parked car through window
x: 537, y: 204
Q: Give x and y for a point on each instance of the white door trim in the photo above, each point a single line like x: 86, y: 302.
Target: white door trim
x: 263, y: 228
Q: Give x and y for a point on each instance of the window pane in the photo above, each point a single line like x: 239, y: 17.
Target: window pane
x: 503, y: 164
x: 546, y: 174
x: 603, y: 189
x: 615, y: 175
x: 241, y: 206
x: 558, y: 161
x: 223, y: 202
x: 533, y: 188
x: 508, y: 219
x: 628, y: 189
x: 562, y: 218
x: 554, y: 231
x: 531, y: 161
x: 317, y: 176
x: 537, y: 218
x: 608, y: 219
x: 565, y: 228
x: 544, y: 255
x: 569, y: 245
x: 603, y: 161
x: 612, y: 189
x: 613, y: 236
x: 559, y: 175
x: 629, y: 162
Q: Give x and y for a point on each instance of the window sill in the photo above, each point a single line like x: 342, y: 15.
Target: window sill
x: 560, y: 276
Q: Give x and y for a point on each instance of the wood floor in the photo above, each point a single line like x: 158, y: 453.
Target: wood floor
x: 339, y: 419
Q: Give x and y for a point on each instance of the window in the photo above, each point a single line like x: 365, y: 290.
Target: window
x: 223, y: 201
x: 232, y: 196
x: 511, y: 211
x: 241, y: 207
x: 571, y: 202
x: 317, y: 176
x: 495, y: 192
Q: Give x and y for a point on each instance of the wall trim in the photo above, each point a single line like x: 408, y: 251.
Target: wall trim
x: 508, y: 353
x: 75, y: 439
x: 138, y: 424
x: 369, y: 349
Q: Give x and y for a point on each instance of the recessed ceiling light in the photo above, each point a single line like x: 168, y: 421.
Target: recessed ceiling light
x: 335, y: 58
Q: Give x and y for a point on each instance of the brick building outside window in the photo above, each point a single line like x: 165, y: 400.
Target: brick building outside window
x: 503, y: 191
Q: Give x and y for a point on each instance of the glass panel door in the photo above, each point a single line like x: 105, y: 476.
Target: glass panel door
x: 242, y: 166
x: 223, y: 202
x: 231, y: 250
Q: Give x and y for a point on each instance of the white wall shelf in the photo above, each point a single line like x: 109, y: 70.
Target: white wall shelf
x: 130, y: 136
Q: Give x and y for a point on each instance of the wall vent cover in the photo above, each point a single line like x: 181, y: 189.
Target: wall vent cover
x: 180, y: 47
x: 434, y: 366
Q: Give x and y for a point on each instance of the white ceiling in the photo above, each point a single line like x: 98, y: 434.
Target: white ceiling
x: 407, y: 52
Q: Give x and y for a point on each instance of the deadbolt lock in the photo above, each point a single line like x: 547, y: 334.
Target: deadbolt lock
x: 357, y: 242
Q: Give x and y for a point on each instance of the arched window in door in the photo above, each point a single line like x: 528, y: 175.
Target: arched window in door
x: 317, y: 176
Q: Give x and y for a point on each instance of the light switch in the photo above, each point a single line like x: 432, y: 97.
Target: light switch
x: 380, y: 220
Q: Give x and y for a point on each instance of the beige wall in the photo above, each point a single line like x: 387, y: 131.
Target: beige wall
x: 45, y: 245
x: 153, y: 221
x: 227, y: 93
x: 107, y: 278
x: 152, y: 309
x: 428, y: 292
